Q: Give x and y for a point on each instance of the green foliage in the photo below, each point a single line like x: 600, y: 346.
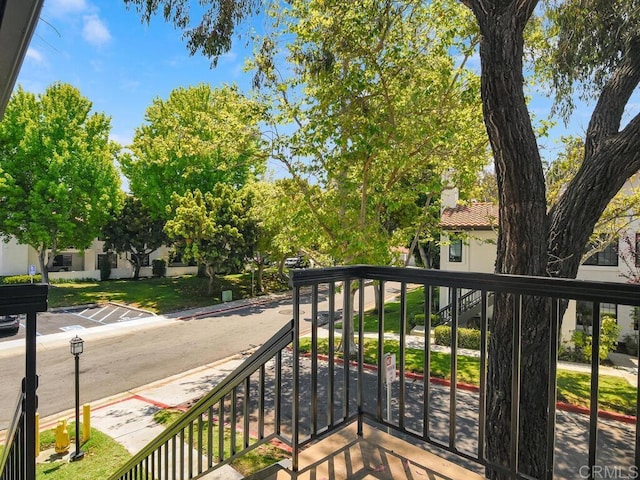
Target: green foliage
x: 467, y: 337
x: 159, y: 267
x: 586, y: 41
x: 134, y: 232
x: 193, y: 140
x: 382, y: 112
x: 213, y: 34
x: 18, y: 279
x: 215, y: 228
x: 58, y: 180
x: 583, y: 348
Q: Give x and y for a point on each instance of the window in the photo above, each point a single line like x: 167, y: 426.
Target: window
x: 455, y: 251
x: 584, y: 313
x: 62, y: 261
x: 606, y: 258
x: 107, y: 257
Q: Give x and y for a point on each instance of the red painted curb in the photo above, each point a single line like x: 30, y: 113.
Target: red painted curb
x: 568, y: 407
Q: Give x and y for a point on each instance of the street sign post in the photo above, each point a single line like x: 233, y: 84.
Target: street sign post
x: 390, y: 376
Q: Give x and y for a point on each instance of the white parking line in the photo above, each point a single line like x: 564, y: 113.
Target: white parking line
x: 99, y: 311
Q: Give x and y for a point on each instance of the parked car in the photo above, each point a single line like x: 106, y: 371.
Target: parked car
x: 296, y: 262
x: 9, y: 324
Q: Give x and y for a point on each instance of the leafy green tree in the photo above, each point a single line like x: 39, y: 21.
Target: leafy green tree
x: 58, y: 180
x: 195, y: 139
x: 216, y: 228
x: 376, y: 127
x: 135, y: 233
x: 382, y: 115
x: 274, y: 213
x: 593, y: 52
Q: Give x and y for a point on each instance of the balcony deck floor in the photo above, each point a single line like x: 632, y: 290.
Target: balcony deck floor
x: 376, y: 455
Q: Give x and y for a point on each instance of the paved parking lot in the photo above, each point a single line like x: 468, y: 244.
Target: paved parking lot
x: 80, y: 318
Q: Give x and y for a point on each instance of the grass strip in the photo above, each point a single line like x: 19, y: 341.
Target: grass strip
x: 251, y: 462
x: 615, y: 394
x: 102, y: 456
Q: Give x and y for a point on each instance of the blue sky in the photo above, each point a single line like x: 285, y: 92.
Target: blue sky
x: 121, y: 64
x: 116, y: 61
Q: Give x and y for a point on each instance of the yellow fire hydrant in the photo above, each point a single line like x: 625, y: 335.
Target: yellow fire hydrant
x: 62, y: 436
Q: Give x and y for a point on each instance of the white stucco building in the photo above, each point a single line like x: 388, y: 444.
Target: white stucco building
x: 469, y: 245
x: 15, y: 259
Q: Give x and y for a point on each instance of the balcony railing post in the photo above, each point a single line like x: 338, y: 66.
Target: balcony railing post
x: 295, y: 432
x: 31, y: 399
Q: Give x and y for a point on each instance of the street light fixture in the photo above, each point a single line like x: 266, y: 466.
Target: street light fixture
x: 76, y: 345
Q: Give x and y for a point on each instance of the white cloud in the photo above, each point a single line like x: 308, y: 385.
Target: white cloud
x: 34, y: 55
x: 64, y: 7
x: 95, y: 31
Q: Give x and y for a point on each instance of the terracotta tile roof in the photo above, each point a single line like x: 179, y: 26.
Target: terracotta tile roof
x: 474, y: 216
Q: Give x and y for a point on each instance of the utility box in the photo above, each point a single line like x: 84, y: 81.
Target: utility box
x: 227, y: 295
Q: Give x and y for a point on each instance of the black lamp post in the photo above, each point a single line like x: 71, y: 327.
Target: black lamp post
x: 77, y: 344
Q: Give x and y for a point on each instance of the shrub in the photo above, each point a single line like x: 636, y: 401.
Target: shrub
x: 418, y: 319
x: 467, y: 337
x: 17, y: 279
x: 582, y: 341
x: 159, y: 267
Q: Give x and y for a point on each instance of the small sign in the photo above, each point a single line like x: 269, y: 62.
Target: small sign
x: 390, y: 368
x: 32, y: 270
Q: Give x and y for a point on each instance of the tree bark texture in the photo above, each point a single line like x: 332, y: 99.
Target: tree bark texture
x: 532, y: 241
x: 522, y: 240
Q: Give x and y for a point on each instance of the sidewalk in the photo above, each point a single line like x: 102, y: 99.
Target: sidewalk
x: 128, y: 417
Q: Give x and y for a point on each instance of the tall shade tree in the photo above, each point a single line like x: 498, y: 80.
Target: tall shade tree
x: 134, y: 233
x: 382, y: 113
x: 216, y: 228
x: 58, y: 180
x: 594, y: 53
x: 195, y: 139
x: 376, y: 128
x: 595, y: 48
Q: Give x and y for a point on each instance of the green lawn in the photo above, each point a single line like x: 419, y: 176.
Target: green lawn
x: 616, y: 394
x: 415, y: 304
x: 159, y: 295
x: 103, y: 456
x: 253, y: 461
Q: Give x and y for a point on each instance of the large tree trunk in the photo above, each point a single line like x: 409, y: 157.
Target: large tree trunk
x: 522, y: 238
x: 530, y: 242
x: 44, y: 267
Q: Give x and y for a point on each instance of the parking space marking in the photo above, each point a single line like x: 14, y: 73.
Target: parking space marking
x: 71, y: 328
x: 99, y: 311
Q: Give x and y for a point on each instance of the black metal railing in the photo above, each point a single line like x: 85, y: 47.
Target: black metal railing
x: 330, y: 392
x: 18, y: 459
x: 241, y: 413
x: 307, y: 397
x: 465, y: 303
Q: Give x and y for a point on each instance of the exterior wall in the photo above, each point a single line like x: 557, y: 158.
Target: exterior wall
x: 15, y: 260
x: 479, y: 255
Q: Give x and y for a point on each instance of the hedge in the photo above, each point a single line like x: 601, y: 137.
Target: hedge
x: 467, y: 337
